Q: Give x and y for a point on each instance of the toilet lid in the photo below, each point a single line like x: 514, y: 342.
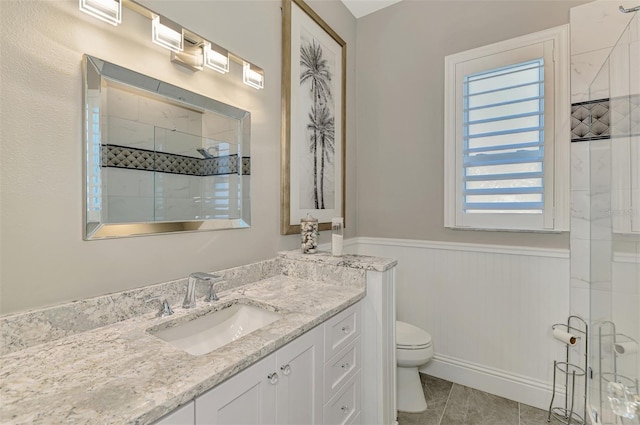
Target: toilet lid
x: 408, y: 335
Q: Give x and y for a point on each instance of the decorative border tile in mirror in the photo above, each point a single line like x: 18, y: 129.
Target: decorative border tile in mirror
x: 146, y: 160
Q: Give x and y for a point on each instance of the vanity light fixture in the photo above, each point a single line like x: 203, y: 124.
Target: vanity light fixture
x: 166, y: 33
x: 109, y: 11
x: 252, y: 75
x: 216, y: 57
x: 188, y: 48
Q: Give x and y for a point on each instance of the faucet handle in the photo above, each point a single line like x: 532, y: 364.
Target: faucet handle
x: 165, y: 308
x: 211, y: 296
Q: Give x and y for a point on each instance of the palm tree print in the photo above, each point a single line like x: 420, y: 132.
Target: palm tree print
x: 322, y: 125
x: 316, y: 74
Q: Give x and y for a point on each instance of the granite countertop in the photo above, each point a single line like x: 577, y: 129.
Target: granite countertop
x: 120, y: 374
x: 353, y: 261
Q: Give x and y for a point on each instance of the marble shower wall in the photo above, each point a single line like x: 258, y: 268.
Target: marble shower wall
x: 595, y: 29
x: 605, y: 255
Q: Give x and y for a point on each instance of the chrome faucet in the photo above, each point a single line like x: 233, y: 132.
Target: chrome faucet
x: 190, y: 296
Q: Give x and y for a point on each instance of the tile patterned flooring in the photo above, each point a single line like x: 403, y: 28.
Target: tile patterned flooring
x: 454, y: 404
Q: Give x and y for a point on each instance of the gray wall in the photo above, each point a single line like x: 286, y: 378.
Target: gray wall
x: 44, y: 259
x: 400, y: 120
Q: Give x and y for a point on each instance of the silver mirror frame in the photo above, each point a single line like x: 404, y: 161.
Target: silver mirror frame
x: 95, y: 71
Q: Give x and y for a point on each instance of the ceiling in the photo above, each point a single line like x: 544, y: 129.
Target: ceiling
x: 360, y: 8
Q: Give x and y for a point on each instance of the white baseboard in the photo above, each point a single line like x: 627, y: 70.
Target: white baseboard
x: 504, y: 384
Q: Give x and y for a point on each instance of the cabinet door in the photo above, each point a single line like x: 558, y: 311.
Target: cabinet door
x: 181, y: 416
x: 247, y: 398
x: 300, y: 387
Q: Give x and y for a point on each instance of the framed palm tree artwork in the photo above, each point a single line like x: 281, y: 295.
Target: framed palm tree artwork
x: 313, y: 119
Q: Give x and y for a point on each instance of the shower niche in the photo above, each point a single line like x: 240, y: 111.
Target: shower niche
x: 160, y: 158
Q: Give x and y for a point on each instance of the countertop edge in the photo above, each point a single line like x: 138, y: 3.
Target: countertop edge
x: 353, y: 261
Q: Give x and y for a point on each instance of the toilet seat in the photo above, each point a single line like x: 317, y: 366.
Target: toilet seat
x: 409, y: 337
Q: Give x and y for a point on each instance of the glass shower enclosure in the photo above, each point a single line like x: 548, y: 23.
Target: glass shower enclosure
x: 615, y: 236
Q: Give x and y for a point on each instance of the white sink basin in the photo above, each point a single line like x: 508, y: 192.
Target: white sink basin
x: 206, y: 333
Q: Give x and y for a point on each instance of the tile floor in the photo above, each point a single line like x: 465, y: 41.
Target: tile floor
x: 454, y: 404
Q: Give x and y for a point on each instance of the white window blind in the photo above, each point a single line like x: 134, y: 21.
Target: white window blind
x: 507, y: 135
x: 504, y: 139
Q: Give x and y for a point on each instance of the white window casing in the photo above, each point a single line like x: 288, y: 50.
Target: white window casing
x: 495, y: 120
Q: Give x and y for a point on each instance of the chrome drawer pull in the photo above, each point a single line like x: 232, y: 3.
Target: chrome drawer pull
x: 346, y: 329
x: 345, y: 366
x: 273, y: 378
x: 345, y: 409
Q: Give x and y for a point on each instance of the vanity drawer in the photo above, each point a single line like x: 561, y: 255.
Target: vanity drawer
x: 342, y: 367
x: 345, y: 406
x: 340, y: 330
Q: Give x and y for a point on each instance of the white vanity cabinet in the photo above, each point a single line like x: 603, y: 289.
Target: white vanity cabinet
x: 299, y: 388
x: 342, y: 377
x: 314, y: 379
x: 247, y: 398
x: 284, y: 388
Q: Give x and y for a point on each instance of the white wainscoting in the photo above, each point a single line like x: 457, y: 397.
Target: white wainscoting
x: 488, y: 308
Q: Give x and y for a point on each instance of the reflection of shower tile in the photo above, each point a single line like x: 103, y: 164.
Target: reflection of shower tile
x: 122, y: 182
x: 177, y: 164
x: 140, y: 159
x: 176, y: 186
x: 120, y: 157
x: 128, y: 133
x: 125, y: 209
x: 122, y: 104
x: 226, y: 165
x: 164, y: 115
x: 183, y: 209
x: 146, y: 184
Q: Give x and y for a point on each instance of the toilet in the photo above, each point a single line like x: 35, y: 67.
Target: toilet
x: 413, y: 350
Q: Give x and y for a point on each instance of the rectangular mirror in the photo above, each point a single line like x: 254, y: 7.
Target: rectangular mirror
x: 159, y: 158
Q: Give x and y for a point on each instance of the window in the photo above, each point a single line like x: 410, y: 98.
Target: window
x: 506, y: 135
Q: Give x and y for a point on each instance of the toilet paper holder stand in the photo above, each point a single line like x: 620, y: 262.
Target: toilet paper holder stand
x: 578, y: 329
x: 614, y: 376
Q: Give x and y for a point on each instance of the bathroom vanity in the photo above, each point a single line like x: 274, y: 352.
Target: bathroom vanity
x: 102, y: 361
x: 314, y: 379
